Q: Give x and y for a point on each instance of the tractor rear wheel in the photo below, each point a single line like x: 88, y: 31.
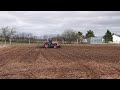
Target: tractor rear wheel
x: 46, y: 45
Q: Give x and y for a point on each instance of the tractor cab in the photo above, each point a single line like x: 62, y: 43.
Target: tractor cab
x: 51, y: 44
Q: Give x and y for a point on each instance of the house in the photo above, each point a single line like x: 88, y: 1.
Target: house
x: 116, y: 38
x: 84, y: 40
x: 95, y: 40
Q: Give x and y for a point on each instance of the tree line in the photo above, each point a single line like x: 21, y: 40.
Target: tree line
x: 7, y: 33
x: 69, y: 35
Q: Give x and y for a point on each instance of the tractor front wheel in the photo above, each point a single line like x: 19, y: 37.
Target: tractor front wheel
x: 55, y: 46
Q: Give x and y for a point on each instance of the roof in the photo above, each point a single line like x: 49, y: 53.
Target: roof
x: 117, y: 35
x: 96, y: 37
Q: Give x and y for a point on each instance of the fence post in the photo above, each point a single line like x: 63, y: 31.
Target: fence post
x: 10, y: 40
x: 5, y: 42
x: 29, y: 41
x: 77, y: 41
x: 63, y: 41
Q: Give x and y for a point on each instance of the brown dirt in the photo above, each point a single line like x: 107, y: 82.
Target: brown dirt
x: 67, y: 62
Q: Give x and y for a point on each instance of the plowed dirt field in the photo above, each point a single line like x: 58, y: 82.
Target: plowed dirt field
x: 67, y: 62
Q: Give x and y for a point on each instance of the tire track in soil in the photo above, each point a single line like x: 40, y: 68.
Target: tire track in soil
x: 28, y: 73
x: 67, y: 56
x: 78, y: 56
x: 7, y: 54
x: 115, y: 69
x: 98, y: 54
x: 12, y: 58
x: 29, y: 56
x: 85, y: 55
x: 32, y: 72
x: 60, y: 59
x: 52, y: 57
x: 24, y: 74
x: 51, y: 70
x: 41, y: 64
x: 22, y: 54
x: 100, y: 73
x: 110, y: 74
x: 89, y: 71
x: 57, y: 57
x: 7, y: 51
x: 3, y: 48
x: 61, y: 72
x: 47, y: 56
x: 76, y: 53
x: 4, y: 59
x: 86, y: 69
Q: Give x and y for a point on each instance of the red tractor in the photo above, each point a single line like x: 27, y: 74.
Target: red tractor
x: 51, y: 44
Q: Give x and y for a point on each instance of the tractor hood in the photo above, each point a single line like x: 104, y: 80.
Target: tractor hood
x: 55, y: 42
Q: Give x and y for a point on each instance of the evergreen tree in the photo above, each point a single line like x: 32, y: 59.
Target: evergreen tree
x: 108, y: 36
x: 90, y: 33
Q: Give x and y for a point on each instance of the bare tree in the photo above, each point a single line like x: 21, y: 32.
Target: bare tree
x: 69, y: 35
x: 7, y: 32
x: 79, y: 36
x: 29, y: 35
x: 0, y: 36
x: 45, y: 37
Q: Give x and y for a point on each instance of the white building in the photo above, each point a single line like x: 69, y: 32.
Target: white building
x: 116, y: 38
x: 84, y: 40
x: 95, y: 40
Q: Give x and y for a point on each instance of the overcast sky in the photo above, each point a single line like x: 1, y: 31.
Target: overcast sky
x: 55, y: 22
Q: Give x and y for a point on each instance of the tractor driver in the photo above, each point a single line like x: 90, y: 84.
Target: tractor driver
x: 50, y: 41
